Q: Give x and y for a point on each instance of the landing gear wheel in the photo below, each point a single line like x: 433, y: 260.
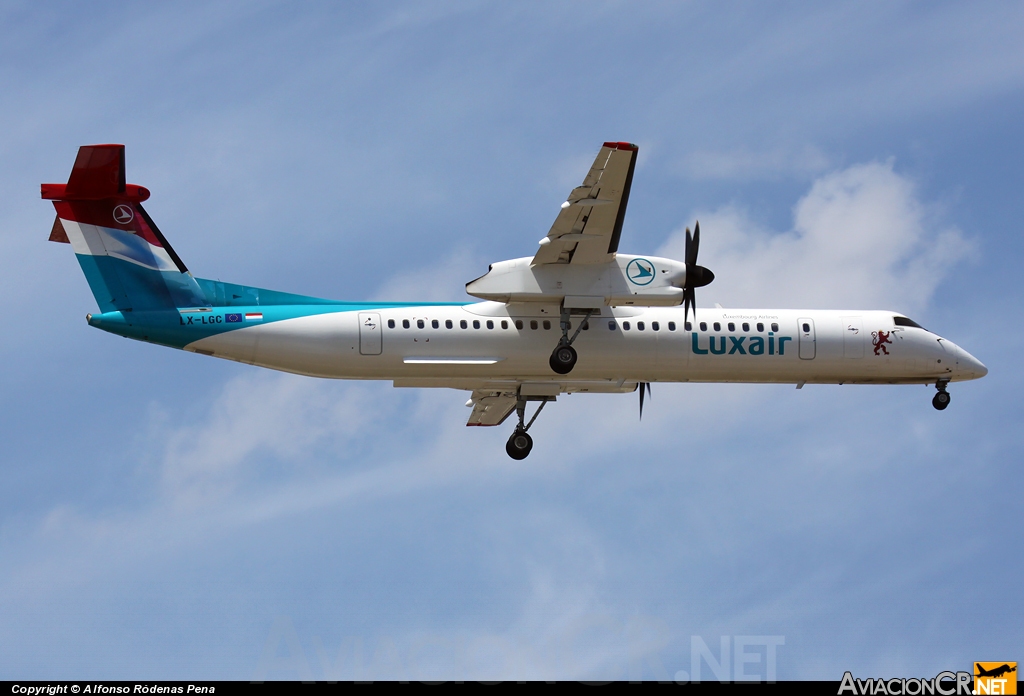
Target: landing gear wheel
x: 941, y: 400
x: 563, y: 359
x: 519, y: 445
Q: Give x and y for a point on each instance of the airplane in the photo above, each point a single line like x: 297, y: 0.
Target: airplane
x: 995, y: 671
x: 576, y: 317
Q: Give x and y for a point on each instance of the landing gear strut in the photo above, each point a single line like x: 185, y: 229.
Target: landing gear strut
x: 563, y: 357
x: 520, y: 443
x: 941, y: 399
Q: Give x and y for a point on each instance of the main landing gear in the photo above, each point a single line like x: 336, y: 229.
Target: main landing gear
x: 520, y: 443
x: 941, y: 400
x: 563, y: 357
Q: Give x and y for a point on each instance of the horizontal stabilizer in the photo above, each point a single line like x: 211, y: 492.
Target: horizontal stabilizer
x: 98, y: 174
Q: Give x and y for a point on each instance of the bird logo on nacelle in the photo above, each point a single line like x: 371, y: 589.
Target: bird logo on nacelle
x: 640, y: 272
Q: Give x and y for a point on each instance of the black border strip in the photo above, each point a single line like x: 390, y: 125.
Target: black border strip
x: 613, y: 245
x: 163, y: 240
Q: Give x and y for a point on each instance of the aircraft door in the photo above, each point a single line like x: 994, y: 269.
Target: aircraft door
x: 805, y: 325
x: 369, y: 333
x: 853, y: 337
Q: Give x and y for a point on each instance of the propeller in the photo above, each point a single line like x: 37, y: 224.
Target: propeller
x: 643, y: 386
x: 696, y: 276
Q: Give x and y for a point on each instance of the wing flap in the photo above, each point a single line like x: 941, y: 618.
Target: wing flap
x: 490, y: 408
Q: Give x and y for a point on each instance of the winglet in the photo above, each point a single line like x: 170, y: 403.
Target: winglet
x: 622, y: 146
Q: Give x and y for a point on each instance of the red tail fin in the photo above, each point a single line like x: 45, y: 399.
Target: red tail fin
x: 98, y: 173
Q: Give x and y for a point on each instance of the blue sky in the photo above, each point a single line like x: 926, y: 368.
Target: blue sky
x: 164, y: 515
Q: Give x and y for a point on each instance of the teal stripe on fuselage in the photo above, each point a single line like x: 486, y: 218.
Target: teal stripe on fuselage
x: 221, y: 294
x: 174, y: 309
x: 177, y: 329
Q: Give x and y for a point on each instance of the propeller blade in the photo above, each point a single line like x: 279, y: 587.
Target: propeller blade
x: 696, y: 276
x: 642, y: 386
x: 689, y: 300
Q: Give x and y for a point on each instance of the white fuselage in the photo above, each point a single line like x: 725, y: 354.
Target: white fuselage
x: 490, y: 342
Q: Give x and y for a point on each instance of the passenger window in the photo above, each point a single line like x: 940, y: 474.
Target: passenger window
x: 547, y: 325
x: 775, y: 327
x: 419, y: 324
x: 703, y: 326
x: 434, y: 324
x: 476, y: 323
x: 732, y: 327
x: 447, y: 323
x: 807, y: 327
x: 586, y: 325
x: 746, y: 327
x: 519, y: 324
x: 718, y: 327
x: 688, y: 326
x: 672, y: 326
x: 639, y: 326
x: 655, y: 326
x: 533, y: 324
x: 504, y: 324
x: 611, y: 325
x: 490, y: 324
x: 405, y: 323
x: 625, y: 326
x: 463, y: 324
x: 391, y: 323
x: 760, y: 327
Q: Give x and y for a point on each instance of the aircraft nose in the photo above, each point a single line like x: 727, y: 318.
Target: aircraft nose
x: 970, y: 366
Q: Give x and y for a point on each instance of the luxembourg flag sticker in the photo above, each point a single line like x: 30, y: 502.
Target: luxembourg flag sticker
x: 254, y: 316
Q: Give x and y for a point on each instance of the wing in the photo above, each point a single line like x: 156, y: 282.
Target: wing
x: 589, y: 224
x: 491, y: 408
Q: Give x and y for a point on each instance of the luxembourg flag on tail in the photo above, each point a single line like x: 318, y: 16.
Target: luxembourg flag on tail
x: 254, y: 316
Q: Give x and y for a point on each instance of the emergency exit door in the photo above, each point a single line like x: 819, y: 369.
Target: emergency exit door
x: 369, y: 333
x: 805, y: 325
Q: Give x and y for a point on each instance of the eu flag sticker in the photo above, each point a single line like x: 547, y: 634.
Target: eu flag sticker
x: 233, y: 318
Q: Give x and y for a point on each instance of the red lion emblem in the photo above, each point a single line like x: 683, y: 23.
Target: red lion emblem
x: 879, y: 339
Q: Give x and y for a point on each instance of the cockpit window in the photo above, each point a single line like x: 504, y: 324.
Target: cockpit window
x: 903, y: 321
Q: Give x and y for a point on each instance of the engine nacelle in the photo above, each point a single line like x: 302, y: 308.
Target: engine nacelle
x: 643, y: 281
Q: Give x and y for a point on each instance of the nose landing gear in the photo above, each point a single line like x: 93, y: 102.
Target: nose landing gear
x: 941, y: 400
x: 520, y: 443
x: 563, y: 357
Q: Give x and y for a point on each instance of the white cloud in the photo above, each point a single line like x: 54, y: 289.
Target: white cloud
x: 746, y: 164
x: 860, y: 239
x: 443, y: 281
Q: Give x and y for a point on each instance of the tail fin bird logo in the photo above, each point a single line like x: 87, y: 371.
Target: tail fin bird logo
x: 123, y: 215
x: 879, y: 339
